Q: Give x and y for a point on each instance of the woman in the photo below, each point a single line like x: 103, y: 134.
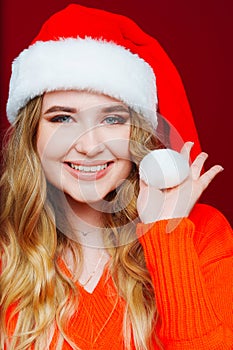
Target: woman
x: 92, y: 256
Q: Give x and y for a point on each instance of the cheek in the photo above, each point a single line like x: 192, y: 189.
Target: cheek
x: 120, y: 149
x: 53, y: 142
x: 126, y: 168
x: 42, y: 141
x: 122, y: 172
x: 118, y: 143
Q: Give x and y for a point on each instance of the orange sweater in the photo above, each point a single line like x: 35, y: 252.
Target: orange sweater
x: 191, y: 269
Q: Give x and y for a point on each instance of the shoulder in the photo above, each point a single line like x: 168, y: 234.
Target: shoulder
x: 213, y: 233
x: 208, y: 219
x: 205, y: 214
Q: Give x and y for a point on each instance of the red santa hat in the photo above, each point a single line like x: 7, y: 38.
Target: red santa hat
x: 89, y: 49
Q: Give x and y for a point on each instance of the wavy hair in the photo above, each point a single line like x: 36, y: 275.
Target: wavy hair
x: 32, y: 285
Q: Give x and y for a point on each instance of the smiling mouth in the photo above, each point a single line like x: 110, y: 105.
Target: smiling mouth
x: 88, y: 169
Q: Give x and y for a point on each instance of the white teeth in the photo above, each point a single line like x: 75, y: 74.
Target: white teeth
x: 88, y: 169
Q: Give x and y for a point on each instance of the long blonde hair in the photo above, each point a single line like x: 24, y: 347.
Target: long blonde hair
x: 31, y: 280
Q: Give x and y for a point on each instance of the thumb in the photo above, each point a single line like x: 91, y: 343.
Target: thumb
x: 186, y: 149
x: 142, y: 185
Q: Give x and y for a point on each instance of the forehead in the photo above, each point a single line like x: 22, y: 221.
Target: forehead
x: 80, y: 100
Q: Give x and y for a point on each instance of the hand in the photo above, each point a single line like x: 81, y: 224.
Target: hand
x: 154, y: 204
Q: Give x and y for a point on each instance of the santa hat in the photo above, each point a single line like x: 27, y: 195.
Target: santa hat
x: 89, y: 49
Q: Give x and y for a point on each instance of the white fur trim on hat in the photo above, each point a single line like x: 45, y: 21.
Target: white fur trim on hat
x: 82, y: 64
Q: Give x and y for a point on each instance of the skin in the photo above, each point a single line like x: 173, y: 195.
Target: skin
x: 84, y: 129
x: 177, y: 202
x: 76, y: 130
x: 87, y: 129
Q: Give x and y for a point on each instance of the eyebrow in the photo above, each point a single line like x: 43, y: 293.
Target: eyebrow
x: 116, y: 108
x: 61, y: 109
x: 109, y: 109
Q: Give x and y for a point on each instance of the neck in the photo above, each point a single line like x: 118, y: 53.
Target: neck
x: 85, y: 222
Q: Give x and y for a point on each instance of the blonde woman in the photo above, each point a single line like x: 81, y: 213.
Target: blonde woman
x: 93, y: 254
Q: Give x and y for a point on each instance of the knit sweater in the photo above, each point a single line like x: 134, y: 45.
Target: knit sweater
x: 190, y: 261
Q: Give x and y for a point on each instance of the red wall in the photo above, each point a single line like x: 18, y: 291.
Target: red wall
x: 198, y: 37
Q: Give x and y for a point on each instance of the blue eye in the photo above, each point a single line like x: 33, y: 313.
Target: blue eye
x: 61, y: 119
x: 114, y: 119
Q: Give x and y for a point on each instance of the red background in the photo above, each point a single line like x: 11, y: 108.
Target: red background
x: 196, y: 34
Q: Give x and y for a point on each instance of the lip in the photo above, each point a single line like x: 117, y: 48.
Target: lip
x: 85, y: 163
x: 88, y: 176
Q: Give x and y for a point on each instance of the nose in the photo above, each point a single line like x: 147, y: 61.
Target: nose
x: 89, y: 143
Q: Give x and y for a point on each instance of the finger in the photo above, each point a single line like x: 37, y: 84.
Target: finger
x: 186, y: 149
x: 197, y: 165
x: 209, y: 175
x: 142, y: 184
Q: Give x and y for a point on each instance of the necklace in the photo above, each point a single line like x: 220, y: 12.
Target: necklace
x: 93, y: 272
x: 85, y: 233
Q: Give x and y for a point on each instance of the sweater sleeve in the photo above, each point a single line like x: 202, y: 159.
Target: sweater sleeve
x: 190, y: 260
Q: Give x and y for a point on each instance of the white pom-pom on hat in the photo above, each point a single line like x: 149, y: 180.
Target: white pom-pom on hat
x: 164, y: 168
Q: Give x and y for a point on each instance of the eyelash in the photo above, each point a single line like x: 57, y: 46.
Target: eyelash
x: 117, y: 119
x: 60, y: 119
